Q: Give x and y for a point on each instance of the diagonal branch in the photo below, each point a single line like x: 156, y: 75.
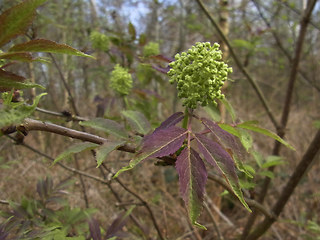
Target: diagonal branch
x: 240, y: 66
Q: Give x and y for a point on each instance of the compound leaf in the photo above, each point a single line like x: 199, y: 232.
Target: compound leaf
x: 192, y: 180
x: 16, y: 20
x: 217, y: 156
x: 106, y: 125
x: 44, y: 45
x: 76, y: 148
x: 250, y: 125
x: 160, y: 143
x: 137, y: 121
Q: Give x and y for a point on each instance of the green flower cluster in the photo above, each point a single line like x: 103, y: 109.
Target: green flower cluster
x: 199, y: 74
x: 121, y: 80
x: 151, y: 49
x: 99, y: 41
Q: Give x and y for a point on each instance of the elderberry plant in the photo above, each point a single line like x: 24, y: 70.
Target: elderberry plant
x: 199, y: 74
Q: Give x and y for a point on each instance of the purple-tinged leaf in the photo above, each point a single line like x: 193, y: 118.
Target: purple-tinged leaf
x: 217, y: 156
x: 161, y: 143
x: 16, y: 20
x: 229, y: 142
x: 118, y: 223
x: 94, y: 228
x: 19, y: 56
x: 163, y: 58
x: 44, y: 45
x: 171, y: 121
x: 161, y: 69
x: 192, y: 179
x: 9, y: 80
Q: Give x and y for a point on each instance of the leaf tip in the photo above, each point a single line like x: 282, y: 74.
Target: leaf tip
x: 199, y: 225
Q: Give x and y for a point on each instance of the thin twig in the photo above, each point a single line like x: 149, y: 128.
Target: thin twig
x: 58, y: 114
x: 144, y: 203
x: 252, y: 203
x: 239, y: 64
x: 76, y: 171
x: 5, y: 202
x: 214, y: 222
x: 65, y: 84
x: 285, y: 3
x: 281, y: 47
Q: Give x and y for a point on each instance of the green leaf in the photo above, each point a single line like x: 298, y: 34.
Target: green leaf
x: 76, y: 148
x: 106, y: 125
x: 241, y: 43
x: 316, y: 124
x: 16, y: 20
x: 22, y: 57
x: 213, y: 112
x: 268, y: 174
x: 258, y: 157
x: 229, y: 108
x: 9, y: 80
x: 105, y: 149
x: 44, y: 45
x: 230, y: 129
x: 273, y: 161
x: 137, y: 121
x: 132, y: 31
x: 10, y: 116
x: 245, y: 139
x: 250, y: 125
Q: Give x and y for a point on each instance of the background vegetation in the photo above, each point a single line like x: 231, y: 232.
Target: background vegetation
x: 275, y: 81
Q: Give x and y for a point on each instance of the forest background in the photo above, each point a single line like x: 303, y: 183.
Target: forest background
x: 273, y: 48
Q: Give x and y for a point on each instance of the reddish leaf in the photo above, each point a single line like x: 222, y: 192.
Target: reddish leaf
x: 161, y: 69
x: 9, y: 80
x: 217, y: 156
x: 94, y: 228
x: 21, y: 56
x: 16, y: 20
x: 229, y: 141
x: 160, y: 143
x: 163, y: 58
x: 171, y: 121
x: 192, y: 178
x: 117, y: 225
x: 44, y: 45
